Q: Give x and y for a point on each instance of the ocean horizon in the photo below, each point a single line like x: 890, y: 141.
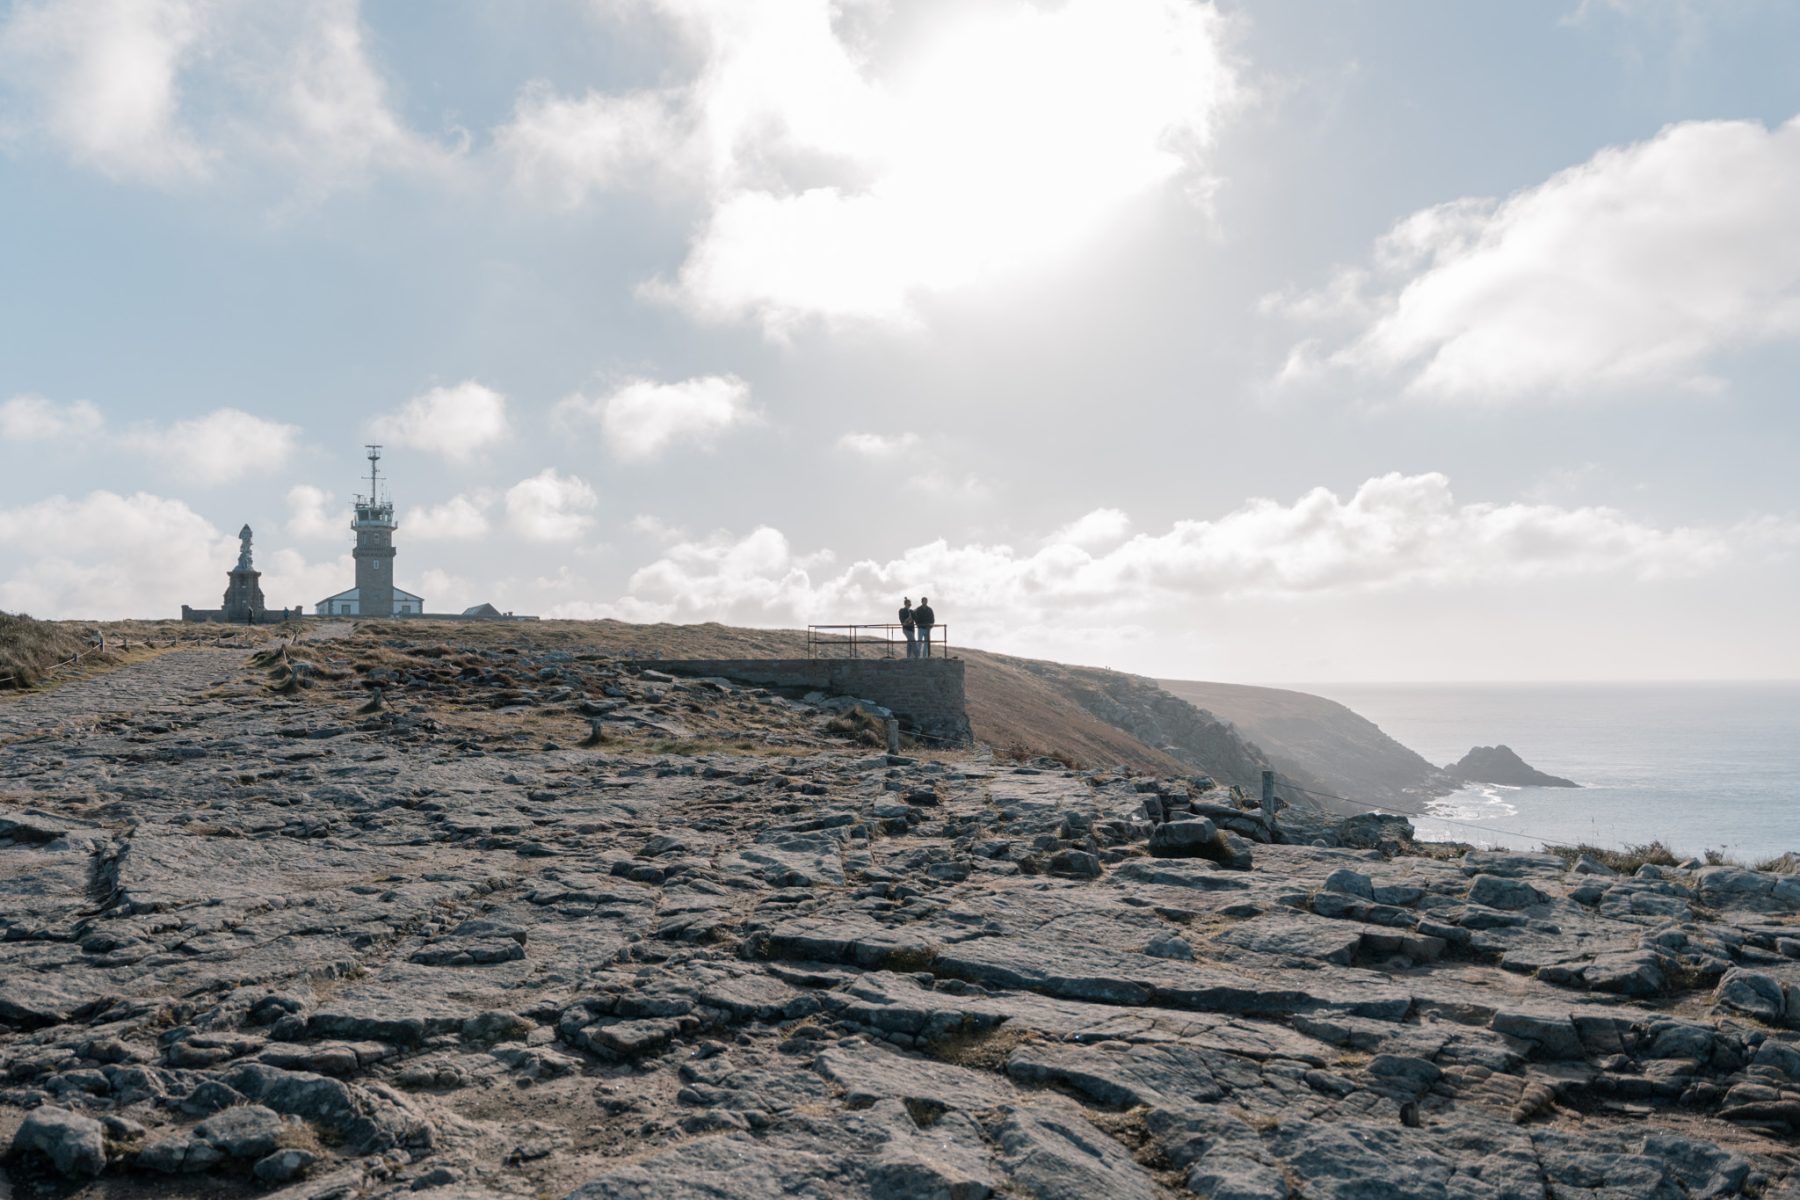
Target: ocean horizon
x: 1696, y: 765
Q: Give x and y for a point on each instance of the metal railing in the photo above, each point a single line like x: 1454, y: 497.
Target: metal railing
x: 876, y: 641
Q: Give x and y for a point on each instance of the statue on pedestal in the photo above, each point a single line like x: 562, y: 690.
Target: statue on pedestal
x: 243, y: 595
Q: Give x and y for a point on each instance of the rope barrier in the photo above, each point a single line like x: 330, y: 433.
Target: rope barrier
x: 97, y: 646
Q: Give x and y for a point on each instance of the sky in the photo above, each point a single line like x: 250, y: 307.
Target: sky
x: 1318, y: 341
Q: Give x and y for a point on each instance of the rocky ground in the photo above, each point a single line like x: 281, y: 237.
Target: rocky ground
x: 261, y: 934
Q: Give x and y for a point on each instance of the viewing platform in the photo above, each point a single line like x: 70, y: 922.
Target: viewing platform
x: 860, y: 661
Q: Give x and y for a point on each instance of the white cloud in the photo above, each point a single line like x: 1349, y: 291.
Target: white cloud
x: 30, y: 418
x: 104, y: 76
x: 1102, y: 527
x: 949, y: 487
x: 1640, y: 267
x: 656, y: 529
x: 642, y: 418
x: 444, y: 591
x: 110, y: 556
x: 566, y: 149
x: 289, y: 579
x: 170, y: 92
x: 1394, y: 533
x: 878, y: 445
x: 220, y: 447
x: 550, y: 507
x: 455, y: 422
x: 456, y: 519
x: 330, y: 116
x: 837, y: 183
x: 313, y: 515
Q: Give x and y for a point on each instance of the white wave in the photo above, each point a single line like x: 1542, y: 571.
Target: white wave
x: 1478, y: 802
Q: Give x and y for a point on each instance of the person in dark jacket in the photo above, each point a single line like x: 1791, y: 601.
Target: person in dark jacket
x: 924, y: 619
x: 906, y: 627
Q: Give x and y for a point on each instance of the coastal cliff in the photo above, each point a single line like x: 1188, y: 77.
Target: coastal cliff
x: 1321, y: 744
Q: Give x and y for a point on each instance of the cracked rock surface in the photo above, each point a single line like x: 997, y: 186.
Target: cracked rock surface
x: 308, y: 945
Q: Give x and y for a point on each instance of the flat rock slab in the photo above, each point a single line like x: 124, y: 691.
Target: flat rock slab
x: 442, y: 949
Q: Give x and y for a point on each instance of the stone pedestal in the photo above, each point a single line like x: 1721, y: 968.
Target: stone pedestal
x: 243, y: 598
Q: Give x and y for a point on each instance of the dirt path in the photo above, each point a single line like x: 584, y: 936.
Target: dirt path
x: 167, y: 681
x: 177, y: 678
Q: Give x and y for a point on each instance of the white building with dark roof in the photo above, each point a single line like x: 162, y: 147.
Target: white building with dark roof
x: 402, y: 603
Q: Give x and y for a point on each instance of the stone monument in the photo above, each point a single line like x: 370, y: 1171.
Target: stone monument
x: 243, y: 595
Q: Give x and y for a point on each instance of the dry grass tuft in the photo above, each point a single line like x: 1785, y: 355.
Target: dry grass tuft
x: 1626, y: 861
x: 859, y: 726
x: 1442, y: 851
x: 29, y: 648
x: 1781, y: 864
x: 985, y: 1049
x: 1019, y: 752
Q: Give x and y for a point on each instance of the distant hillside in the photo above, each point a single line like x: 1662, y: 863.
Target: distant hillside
x: 1320, y: 743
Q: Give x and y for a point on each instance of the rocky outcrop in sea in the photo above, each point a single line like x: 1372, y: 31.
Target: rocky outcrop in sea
x: 1500, y: 764
x: 316, y: 945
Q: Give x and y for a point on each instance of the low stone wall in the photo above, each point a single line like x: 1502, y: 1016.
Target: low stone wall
x: 216, y: 616
x: 926, y: 694
x: 430, y: 616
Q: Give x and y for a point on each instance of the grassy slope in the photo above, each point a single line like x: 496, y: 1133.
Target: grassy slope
x: 1017, y: 710
x: 29, y: 648
x: 1009, y: 707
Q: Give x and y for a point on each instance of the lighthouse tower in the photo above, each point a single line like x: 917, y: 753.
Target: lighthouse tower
x: 374, y: 553
x: 374, y: 594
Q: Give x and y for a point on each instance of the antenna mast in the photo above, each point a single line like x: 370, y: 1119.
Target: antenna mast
x: 374, y: 458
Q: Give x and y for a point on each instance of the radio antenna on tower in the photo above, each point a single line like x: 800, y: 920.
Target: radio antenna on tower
x: 374, y: 458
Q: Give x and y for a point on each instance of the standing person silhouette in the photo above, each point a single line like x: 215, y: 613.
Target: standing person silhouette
x: 924, y: 618
x: 906, y: 626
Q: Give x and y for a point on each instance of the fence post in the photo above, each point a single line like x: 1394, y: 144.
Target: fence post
x: 1268, y: 797
x: 893, y: 735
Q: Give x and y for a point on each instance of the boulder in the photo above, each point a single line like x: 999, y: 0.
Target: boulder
x: 1752, y: 994
x: 1495, y: 891
x: 74, y: 1145
x: 284, y: 1166
x: 248, y: 1131
x: 1370, y: 831
x: 1189, y: 838
x: 1757, y: 891
x: 1350, y: 883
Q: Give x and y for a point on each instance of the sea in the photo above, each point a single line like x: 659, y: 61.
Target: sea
x: 1697, y: 766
